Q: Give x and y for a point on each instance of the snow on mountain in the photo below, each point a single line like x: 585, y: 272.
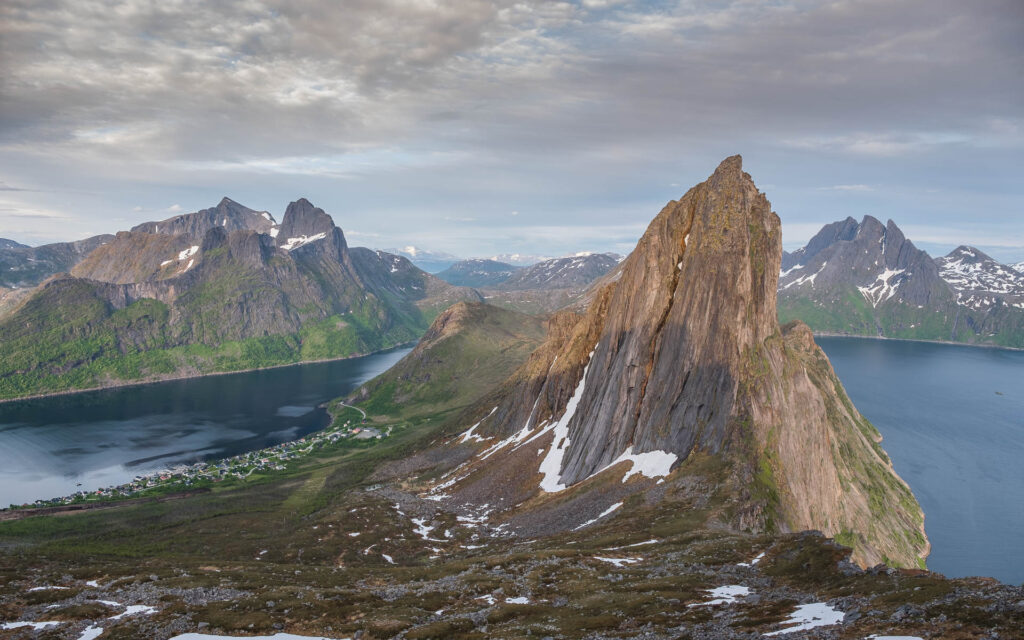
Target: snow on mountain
x: 979, y: 281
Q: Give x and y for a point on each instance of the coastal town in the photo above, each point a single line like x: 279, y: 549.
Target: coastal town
x: 200, y: 474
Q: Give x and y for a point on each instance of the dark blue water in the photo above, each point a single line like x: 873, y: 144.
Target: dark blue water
x: 953, y: 422
x: 48, y: 446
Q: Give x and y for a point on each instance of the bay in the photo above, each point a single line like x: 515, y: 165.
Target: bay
x: 952, y: 418
x: 57, y: 445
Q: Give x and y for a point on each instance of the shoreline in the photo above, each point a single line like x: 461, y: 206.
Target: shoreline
x: 828, y: 334
x: 141, y: 383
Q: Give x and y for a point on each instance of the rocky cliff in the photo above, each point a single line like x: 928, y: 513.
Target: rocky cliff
x: 681, y: 357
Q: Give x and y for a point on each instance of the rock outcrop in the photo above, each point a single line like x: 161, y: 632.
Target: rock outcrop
x: 681, y: 354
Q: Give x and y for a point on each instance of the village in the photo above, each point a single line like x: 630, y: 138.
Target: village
x: 203, y: 474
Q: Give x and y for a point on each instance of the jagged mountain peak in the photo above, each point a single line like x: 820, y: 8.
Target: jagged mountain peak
x: 229, y: 214
x: 682, y: 354
x: 304, y: 223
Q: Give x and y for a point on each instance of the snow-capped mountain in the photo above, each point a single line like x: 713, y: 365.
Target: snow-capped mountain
x: 562, y: 273
x: 429, y: 261
x: 866, y: 278
x: 520, y: 259
x: 979, y: 281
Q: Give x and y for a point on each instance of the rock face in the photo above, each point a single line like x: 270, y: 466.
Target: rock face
x: 868, y: 279
x: 232, y: 298
x: 478, y: 272
x: 22, y: 266
x: 682, y: 353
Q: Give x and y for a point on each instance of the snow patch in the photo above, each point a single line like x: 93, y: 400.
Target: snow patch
x: 810, y: 616
x: 802, y: 279
x: 91, y: 632
x: 607, y: 511
x: 618, y: 562
x: 35, y: 625
x: 752, y: 562
x: 295, y: 243
x: 274, y: 231
x: 724, y: 595
x: 635, y: 544
x: 388, y: 558
x: 188, y: 253
x: 551, y: 465
x: 881, y: 289
x: 518, y: 600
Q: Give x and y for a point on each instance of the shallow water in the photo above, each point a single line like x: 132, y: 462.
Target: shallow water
x: 50, y: 446
x: 953, y: 422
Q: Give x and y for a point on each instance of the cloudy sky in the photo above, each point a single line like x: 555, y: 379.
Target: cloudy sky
x: 492, y: 126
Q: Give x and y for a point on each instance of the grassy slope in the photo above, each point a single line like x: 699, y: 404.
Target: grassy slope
x: 470, y: 349
x: 284, y: 542
x: 67, y: 337
x: 849, y: 313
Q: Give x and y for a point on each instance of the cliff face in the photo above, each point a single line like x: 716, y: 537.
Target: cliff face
x: 682, y: 353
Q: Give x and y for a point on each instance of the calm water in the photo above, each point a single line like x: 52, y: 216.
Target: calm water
x: 98, y: 439
x: 953, y: 422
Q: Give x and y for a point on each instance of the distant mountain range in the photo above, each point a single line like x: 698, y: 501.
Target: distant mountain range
x: 221, y: 289
x: 429, y: 261
x: 866, y: 278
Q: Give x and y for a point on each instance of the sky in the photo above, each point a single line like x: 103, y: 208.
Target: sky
x: 480, y: 127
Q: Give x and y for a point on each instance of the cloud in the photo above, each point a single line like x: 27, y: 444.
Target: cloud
x: 848, y: 187
x: 174, y: 208
x: 552, y: 108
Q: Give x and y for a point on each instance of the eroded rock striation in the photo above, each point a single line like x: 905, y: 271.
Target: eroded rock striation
x: 680, y: 354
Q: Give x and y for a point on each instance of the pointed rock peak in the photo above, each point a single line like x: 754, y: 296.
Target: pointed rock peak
x: 968, y: 253
x: 303, y: 222
x: 732, y: 164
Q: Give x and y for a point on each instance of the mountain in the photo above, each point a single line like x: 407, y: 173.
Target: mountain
x: 553, y: 284
x: 23, y: 266
x: 404, y: 534
x: 151, y: 305
x: 11, y: 244
x: 477, y: 272
x: 979, y: 281
x: 469, y: 349
x: 561, y: 273
x: 429, y: 261
x: 868, y: 279
x: 1018, y: 267
x: 228, y: 214
x: 520, y: 259
x: 679, y: 366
